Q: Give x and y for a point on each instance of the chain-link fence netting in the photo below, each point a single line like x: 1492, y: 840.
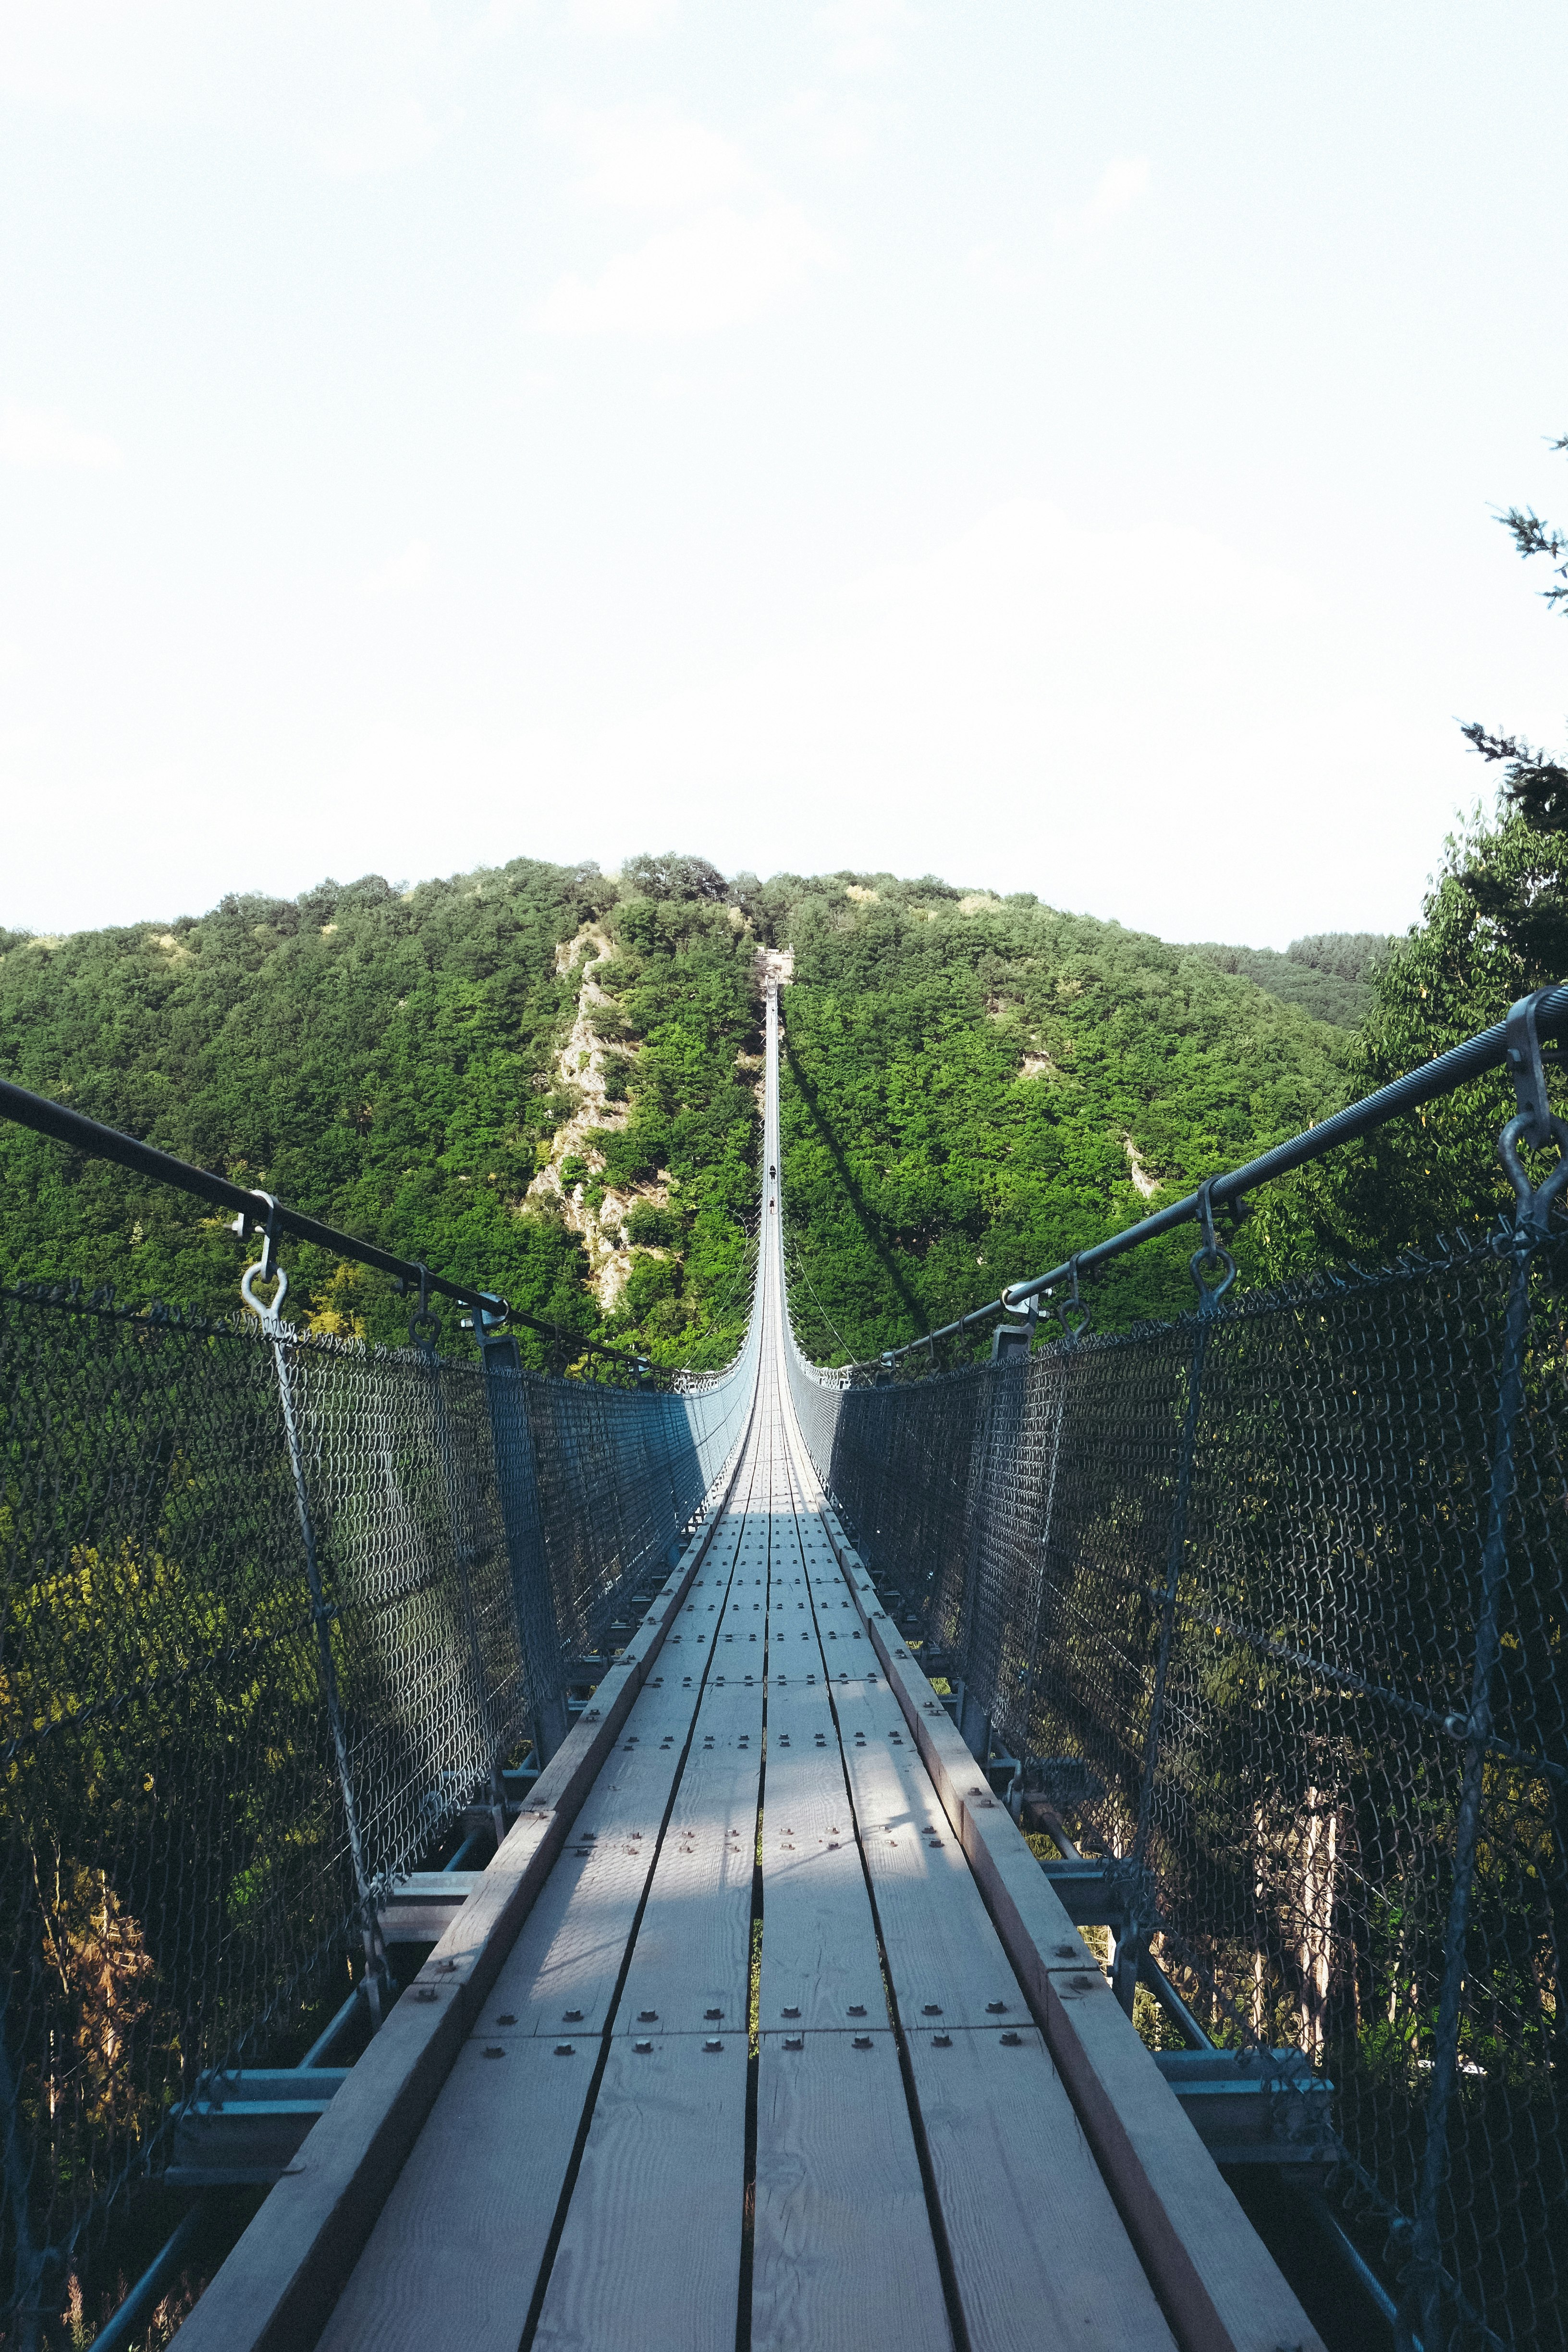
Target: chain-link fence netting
x: 274, y: 1608
x: 1273, y: 1600
x: 618, y: 1471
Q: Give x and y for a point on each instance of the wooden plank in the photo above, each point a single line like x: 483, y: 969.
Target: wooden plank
x: 744, y: 1629
x: 650, y: 2259
x: 1038, y: 2250
x: 1218, y: 2283
x: 1169, y: 2190
x: 692, y: 1957
x: 939, y: 1941
x: 569, y: 1955
x: 820, y: 1963
x: 572, y: 1949
x: 943, y: 1955
x: 568, y: 1958
x: 794, y: 1620
x: 462, y: 2234
x: 843, y: 2256
x: 840, y: 1628
x: 693, y: 1948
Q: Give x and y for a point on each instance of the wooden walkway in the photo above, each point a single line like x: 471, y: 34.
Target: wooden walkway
x: 758, y: 2043
x: 738, y: 2046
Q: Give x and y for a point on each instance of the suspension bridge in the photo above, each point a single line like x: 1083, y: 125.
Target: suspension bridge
x: 742, y: 2010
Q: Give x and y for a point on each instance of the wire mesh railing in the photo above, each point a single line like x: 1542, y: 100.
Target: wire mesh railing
x: 1270, y: 1604
x: 275, y: 1606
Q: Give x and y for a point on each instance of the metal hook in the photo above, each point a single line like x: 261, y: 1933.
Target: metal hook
x: 266, y: 1267
x: 423, y: 1327
x: 1535, y: 1200
x: 1075, y: 1314
x: 1202, y: 1264
x: 259, y: 1273
x: 1535, y: 1123
x: 1213, y: 1255
x: 1522, y: 1053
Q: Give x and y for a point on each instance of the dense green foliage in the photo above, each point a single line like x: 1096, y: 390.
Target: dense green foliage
x: 378, y: 1059
x: 1534, y: 783
x: 682, y: 983
x: 1329, y: 976
x: 973, y: 1086
x: 1495, y: 925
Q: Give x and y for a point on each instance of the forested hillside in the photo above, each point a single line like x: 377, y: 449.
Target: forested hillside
x: 399, y: 1064
x: 544, y: 1079
x: 975, y: 1088
x: 1333, y: 975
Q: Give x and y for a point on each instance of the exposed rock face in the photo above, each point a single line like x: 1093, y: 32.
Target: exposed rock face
x: 1145, y: 1184
x: 581, y: 1067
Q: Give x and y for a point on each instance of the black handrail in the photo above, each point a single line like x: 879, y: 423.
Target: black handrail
x: 89, y: 1135
x: 1472, y: 1059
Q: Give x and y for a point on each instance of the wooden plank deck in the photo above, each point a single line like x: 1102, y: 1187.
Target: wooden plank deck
x: 564, y: 1969
x: 943, y: 1952
x: 1217, y: 2285
x: 465, y: 2230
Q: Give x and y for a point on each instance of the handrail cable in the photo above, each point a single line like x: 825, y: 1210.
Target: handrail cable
x: 1487, y: 1050
x: 90, y: 1135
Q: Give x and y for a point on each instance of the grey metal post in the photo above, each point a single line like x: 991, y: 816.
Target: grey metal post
x: 1131, y: 1939
x: 424, y: 1330
x: 517, y: 1476
x: 1175, y: 1545
x: 974, y: 1726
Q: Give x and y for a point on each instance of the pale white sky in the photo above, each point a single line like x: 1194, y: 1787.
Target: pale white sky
x: 1048, y: 444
